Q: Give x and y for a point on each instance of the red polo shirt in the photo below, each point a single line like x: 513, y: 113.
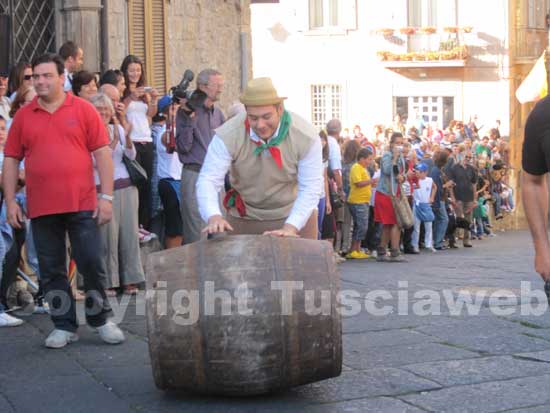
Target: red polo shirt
x: 56, y: 148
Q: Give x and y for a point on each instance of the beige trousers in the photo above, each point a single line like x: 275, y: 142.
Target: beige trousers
x: 253, y: 227
x: 121, y: 242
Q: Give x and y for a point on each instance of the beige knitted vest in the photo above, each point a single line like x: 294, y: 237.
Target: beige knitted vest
x: 267, y: 191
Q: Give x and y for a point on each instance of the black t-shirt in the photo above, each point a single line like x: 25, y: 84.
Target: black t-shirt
x: 536, y: 144
x: 464, y: 178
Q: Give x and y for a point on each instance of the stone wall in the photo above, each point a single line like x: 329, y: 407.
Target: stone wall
x: 117, y: 32
x: 207, y: 34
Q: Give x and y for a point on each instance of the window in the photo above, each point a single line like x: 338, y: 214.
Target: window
x: 326, y: 104
x: 438, y: 109
x: 326, y: 14
x: 147, y: 38
x: 323, y: 13
x: 438, y: 13
x: 434, y: 13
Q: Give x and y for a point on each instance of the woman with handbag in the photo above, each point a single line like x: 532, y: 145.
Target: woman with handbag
x: 391, y: 204
x: 141, y: 106
x: 120, y: 235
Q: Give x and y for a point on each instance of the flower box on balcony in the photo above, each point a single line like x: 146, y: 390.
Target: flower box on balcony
x: 428, y: 30
x: 458, y: 53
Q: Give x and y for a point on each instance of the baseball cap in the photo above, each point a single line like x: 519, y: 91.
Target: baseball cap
x: 421, y: 167
x: 163, y: 103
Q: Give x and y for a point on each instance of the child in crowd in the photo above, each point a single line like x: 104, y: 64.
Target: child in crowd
x: 480, y: 214
x: 423, y: 197
x: 358, y: 201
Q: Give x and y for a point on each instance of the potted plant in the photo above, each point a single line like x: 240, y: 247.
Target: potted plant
x: 386, y: 31
x: 428, y: 30
x: 451, y: 29
x: 408, y: 30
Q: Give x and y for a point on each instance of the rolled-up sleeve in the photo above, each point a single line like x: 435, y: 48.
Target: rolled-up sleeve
x: 211, y: 178
x: 310, y: 186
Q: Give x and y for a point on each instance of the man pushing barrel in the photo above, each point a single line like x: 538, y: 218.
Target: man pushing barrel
x: 276, y: 170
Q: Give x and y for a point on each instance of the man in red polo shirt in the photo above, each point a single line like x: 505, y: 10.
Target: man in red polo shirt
x: 56, y: 134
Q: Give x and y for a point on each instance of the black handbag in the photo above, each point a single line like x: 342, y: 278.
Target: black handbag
x: 138, y: 176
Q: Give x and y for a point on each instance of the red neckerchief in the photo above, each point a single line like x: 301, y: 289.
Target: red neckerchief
x: 273, y: 150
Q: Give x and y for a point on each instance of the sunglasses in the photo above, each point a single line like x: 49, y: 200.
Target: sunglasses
x: 27, y: 77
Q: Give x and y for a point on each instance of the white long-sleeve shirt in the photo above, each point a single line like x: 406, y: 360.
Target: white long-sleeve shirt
x: 218, y: 162
x: 119, y: 169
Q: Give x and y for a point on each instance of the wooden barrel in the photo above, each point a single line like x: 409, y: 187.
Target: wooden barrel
x: 260, y: 345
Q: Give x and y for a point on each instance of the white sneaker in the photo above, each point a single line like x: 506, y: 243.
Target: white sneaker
x: 42, y: 309
x: 7, y: 320
x: 110, y: 333
x: 60, y: 338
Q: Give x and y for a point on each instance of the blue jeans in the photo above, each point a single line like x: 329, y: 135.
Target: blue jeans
x: 321, y: 216
x: 49, y: 233
x: 360, y: 215
x: 440, y: 224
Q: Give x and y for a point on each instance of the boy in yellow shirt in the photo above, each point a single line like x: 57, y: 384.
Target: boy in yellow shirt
x: 358, y: 201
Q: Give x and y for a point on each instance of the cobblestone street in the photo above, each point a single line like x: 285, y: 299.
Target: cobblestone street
x: 489, y: 362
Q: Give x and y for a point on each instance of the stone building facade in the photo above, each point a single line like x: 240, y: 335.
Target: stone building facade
x: 169, y: 35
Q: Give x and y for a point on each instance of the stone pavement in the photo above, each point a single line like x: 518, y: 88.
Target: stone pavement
x: 402, y: 361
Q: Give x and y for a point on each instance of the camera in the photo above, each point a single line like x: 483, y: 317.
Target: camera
x: 193, y: 98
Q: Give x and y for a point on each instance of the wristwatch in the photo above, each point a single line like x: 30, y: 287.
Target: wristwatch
x: 105, y: 197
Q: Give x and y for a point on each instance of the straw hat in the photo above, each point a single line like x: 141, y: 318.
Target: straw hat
x: 260, y: 92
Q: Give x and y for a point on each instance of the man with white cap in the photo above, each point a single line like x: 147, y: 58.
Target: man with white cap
x: 275, y: 165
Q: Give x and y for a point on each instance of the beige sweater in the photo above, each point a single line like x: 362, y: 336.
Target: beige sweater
x: 267, y: 191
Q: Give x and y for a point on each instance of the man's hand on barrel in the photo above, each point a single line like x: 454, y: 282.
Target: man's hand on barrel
x: 287, y: 231
x: 217, y: 224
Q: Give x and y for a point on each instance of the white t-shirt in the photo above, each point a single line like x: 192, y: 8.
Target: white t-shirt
x: 168, y: 164
x: 422, y: 194
x: 137, y: 116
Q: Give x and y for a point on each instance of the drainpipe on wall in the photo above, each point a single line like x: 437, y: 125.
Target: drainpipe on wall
x: 244, y: 60
x: 104, y: 33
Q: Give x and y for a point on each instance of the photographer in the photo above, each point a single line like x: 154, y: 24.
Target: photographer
x: 194, y: 130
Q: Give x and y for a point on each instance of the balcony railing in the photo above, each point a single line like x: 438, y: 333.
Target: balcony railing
x: 530, y: 43
x: 424, y: 47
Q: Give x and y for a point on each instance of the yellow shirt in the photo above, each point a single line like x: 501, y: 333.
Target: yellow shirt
x: 359, y: 195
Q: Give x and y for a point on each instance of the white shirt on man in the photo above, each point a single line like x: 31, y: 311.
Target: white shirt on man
x: 68, y: 85
x: 218, y: 162
x: 334, y: 155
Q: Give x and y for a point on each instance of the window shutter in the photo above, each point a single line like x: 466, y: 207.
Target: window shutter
x: 147, y: 34
x: 157, y: 64
x: 136, y: 27
x: 349, y: 14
